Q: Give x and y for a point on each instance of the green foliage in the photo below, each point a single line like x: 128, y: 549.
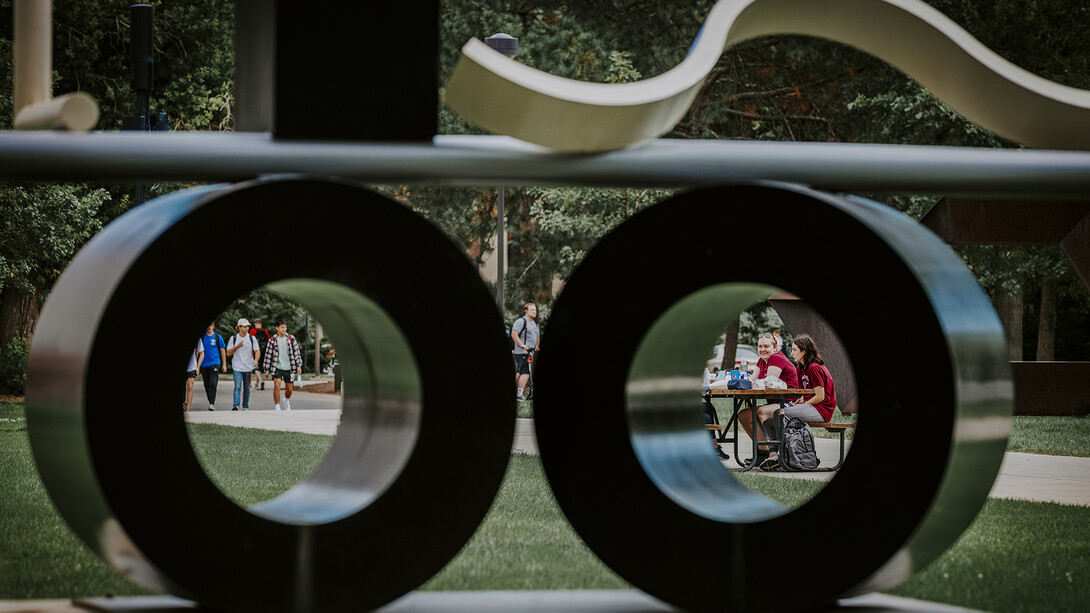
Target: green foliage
x: 759, y: 318
x: 272, y: 307
x: 194, y: 59
x: 42, y: 226
x: 13, y: 366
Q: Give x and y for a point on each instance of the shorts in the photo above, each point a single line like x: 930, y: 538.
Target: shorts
x: 284, y: 374
x: 190, y: 374
x: 805, y: 412
x: 522, y: 363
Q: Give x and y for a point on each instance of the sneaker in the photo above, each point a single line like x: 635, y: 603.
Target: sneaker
x: 277, y: 407
x: 770, y: 463
x: 234, y: 408
x: 245, y: 408
x: 262, y: 385
x: 722, y: 456
x: 761, y: 457
x: 287, y: 404
x: 211, y: 407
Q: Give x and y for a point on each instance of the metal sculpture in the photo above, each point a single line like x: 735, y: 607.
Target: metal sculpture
x: 510, y: 98
x: 128, y: 487
x: 657, y: 478
x: 352, y: 536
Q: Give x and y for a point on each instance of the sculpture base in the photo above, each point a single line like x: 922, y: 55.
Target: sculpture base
x: 560, y: 601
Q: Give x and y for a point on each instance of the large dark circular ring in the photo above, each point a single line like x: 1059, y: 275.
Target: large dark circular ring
x: 415, y: 332
x: 621, y: 433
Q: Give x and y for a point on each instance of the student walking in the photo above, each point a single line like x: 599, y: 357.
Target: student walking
x: 283, y: 359
x: 244, y: 354
x: 527, y: 337
x: 213, y: 363
x: 191, y: 373
x: 259, y: 332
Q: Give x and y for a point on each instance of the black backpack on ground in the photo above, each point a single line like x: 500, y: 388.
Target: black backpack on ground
x: 797, y: 443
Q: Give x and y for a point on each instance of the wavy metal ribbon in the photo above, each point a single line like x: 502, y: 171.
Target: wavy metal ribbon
x: 506, y: 97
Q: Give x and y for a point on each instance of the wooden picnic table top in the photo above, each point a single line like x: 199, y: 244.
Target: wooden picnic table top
x: 793, y: 392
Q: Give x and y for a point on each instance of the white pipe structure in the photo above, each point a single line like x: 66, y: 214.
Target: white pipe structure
x: 513, y: 99
x: 35, y: 108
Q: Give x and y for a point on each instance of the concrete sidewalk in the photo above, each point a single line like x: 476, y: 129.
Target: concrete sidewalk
x: 1026, y: 476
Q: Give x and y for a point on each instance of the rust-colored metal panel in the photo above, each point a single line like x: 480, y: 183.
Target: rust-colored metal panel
x: 1077, y: 247
x: 966, y: 221
x: 799, y: 318
x: 1051, y: 388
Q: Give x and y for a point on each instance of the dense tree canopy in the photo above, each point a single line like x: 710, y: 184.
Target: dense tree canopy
x: 779, y: 87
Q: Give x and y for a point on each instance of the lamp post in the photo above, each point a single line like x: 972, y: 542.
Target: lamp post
x: 143, y: 78
x: 509, y: 46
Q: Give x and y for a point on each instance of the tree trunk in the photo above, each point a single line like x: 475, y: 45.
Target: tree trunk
x: 730, y: 346
x: 1009, y: 307
x: 18, y: 315
x: 1014, y: 332
x: 1046, y: 329
x: 1001, y: 302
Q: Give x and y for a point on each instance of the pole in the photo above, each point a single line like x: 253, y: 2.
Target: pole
x: 143, y: 71
x: 318, y: 333
x: 501, y: 248
x: 509, y: 46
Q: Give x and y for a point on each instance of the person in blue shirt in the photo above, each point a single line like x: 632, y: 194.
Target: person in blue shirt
x: 215, y: 357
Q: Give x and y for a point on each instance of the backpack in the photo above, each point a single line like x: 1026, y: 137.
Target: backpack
x: 797, y: 443
x: 522, y: 335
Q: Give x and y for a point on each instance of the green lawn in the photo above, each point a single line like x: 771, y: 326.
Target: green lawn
x: 252, y: 465
x: 1017, y: 556
x: 1068, y: 436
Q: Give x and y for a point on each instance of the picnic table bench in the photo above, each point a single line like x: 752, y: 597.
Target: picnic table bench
x: 748, y: 399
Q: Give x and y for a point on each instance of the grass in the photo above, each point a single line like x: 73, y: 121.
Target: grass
x: 251, y: 465
x: 1067, y: 436
x: 1017, y: 556
x: 525, y: 409
x: 39, y: 556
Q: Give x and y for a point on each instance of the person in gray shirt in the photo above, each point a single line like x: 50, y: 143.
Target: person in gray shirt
x: 527, y: 337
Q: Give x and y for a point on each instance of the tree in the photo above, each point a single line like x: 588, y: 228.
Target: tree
x: 44, y: 225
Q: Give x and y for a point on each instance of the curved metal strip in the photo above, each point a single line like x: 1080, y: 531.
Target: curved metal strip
x: 507, y: 97
x: 692, y: 517
x: 361, y: 530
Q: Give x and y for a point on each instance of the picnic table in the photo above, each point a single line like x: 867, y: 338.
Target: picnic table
x: 746, y: 399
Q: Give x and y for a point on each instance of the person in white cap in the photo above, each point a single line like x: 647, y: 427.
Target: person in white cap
x: 244, y: 353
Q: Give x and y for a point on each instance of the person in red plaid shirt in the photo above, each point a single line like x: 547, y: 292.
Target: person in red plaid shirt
x: 283, y: 360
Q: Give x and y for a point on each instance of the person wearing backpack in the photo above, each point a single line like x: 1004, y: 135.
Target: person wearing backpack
x: 244, y: 354
x: 215, y: 357
x: 262, y: 335
x: 813, y: 408
x: 527, y: 337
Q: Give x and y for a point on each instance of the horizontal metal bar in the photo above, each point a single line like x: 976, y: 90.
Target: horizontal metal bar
x: 498, y: 160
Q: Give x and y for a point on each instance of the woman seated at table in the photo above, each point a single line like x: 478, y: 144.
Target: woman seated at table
x: 814, y: 408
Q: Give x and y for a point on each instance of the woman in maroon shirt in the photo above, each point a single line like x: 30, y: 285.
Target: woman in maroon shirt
x: 813, y: 408
x: 772, y: 363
